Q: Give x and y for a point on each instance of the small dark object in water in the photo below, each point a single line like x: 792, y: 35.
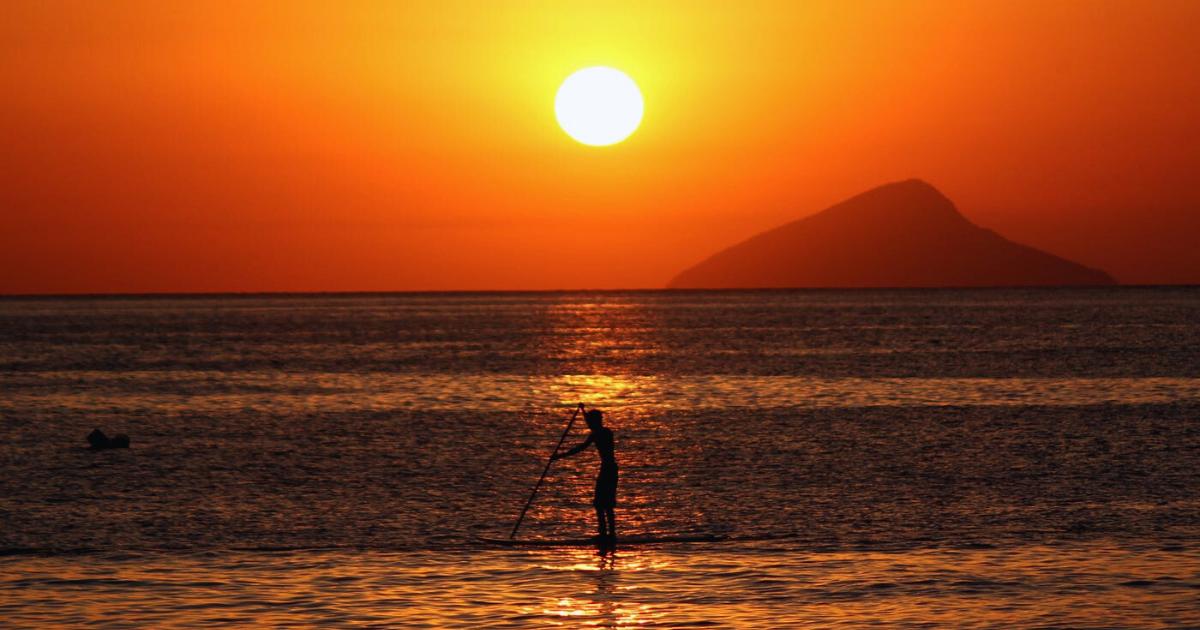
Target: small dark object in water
x: 99, y: 440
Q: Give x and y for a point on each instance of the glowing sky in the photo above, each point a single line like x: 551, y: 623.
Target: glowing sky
x: 176, y: 146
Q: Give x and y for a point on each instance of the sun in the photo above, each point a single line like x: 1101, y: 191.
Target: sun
x: 598, y: 106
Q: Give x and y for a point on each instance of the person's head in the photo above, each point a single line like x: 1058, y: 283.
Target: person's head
x: 594, y: 418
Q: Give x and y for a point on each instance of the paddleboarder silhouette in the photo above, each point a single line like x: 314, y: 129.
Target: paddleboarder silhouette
x: 605, y: 500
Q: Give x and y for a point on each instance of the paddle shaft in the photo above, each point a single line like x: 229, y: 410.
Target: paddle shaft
x: 545, y: 470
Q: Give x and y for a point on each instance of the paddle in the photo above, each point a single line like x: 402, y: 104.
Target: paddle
x: 545, y: 470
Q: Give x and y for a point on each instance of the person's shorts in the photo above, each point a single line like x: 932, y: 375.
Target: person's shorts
x: 606, y: 489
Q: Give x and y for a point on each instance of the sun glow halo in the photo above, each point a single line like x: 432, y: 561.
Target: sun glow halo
x: 598, y: 106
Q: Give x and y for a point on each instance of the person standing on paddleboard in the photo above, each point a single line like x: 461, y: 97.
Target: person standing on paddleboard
x: 606, y: 482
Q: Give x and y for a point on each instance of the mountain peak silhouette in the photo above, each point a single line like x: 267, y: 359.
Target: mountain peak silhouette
x: 902, y: 234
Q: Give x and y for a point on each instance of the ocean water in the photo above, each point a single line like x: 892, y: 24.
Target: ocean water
x: 990, y: 458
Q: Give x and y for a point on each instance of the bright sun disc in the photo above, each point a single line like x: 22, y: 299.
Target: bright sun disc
x: 598, y: 106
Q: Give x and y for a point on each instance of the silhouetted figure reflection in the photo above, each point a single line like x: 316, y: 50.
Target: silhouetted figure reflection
x: 606, y: 482
x: 606, y: 591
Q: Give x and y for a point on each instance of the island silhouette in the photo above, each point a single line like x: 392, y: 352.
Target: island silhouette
x: 903, y: 234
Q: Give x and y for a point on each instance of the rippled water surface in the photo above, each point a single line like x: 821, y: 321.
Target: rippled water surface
x: 985, y: 458
x: 734, y: 585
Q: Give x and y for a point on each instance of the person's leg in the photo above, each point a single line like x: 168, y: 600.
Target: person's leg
x: 610, y: 505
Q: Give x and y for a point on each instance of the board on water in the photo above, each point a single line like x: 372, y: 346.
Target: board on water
x: 622, y: 541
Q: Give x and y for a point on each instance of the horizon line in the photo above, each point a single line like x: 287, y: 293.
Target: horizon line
x: 415, y: 292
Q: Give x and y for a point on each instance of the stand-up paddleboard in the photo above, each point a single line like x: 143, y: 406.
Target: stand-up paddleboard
x: 622, y: 541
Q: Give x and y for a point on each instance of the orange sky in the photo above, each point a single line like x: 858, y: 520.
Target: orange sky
x: 174, y: 146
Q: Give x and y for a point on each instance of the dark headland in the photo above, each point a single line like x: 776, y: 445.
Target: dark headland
x: 904, y: 234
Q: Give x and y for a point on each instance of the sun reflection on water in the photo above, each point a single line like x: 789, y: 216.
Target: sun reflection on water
x: 599, y: 390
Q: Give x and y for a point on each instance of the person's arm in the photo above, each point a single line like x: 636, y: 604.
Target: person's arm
x: 576, y: 450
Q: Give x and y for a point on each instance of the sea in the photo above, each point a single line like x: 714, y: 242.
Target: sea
x: 888, y: 458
